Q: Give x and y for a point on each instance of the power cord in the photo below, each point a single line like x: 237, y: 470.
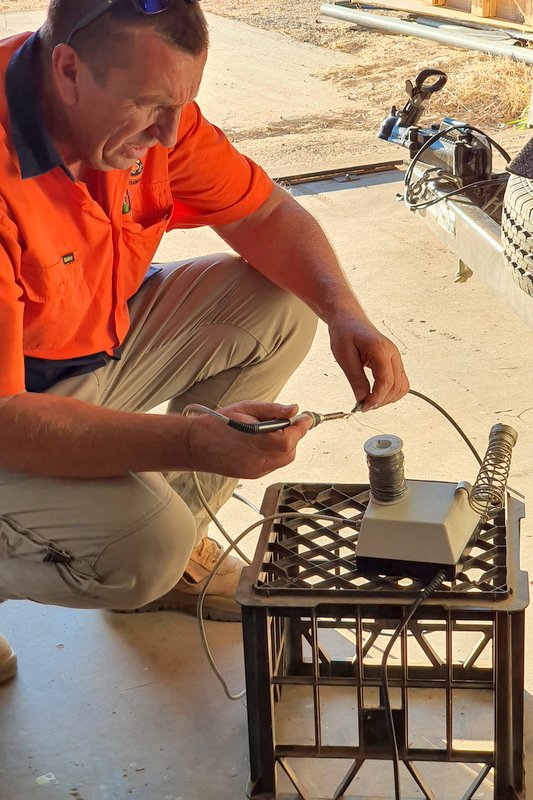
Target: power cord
x: 233, y: 543
x: 425, y: 593
x: 451, y: 420
x: 222, y: 558
x: 453, y: 193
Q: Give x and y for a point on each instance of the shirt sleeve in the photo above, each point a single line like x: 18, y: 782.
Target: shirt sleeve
x: 211, y: 182
x: 11, y: 314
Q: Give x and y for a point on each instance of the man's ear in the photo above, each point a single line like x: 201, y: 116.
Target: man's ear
x: 66, y: 72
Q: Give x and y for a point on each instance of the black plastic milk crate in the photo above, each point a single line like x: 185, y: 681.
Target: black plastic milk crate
x: 314, y: 633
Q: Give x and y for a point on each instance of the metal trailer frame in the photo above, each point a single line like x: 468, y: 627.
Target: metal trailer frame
x: 474, y: 235
x: 469, y: 231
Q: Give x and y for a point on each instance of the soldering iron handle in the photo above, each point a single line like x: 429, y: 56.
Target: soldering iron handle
x: 265, y: 426
x: 316, y: 419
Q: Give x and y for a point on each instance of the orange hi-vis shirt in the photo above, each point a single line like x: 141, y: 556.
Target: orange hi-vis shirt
x: 73, y: 253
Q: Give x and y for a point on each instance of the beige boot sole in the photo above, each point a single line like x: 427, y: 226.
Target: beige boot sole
x: 217, y: 608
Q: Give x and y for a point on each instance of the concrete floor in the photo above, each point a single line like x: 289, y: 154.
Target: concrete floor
x: 106, y: 706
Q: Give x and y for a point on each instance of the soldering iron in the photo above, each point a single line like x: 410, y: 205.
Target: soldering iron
x: 269, y: 425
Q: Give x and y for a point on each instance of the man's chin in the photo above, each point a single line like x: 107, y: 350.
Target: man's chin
x: 132, y: 153
x: 119, y: 162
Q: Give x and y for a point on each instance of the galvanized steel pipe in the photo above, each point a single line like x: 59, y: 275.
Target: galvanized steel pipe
x: 393, y: 25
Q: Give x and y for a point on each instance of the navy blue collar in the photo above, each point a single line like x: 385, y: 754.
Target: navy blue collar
x: 36, y: 151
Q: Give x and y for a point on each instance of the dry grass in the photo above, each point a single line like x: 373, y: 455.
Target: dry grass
x: 485, y: 89
x: 481, y: 89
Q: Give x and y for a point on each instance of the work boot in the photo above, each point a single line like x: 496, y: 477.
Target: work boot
x: 219, y: 602
x: 8, y: 660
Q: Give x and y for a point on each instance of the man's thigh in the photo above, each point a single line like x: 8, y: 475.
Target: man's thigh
x: 78, y: 516
x: 193, y: 322
x: 91, y: 543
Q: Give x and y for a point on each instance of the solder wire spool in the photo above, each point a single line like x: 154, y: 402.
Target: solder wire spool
x: 384, y: 457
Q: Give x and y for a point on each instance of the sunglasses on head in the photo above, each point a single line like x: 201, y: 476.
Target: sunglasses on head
x: 146, y: 7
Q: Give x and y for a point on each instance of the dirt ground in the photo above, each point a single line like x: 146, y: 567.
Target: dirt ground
x: 373, y: 83
x: 481, y: 90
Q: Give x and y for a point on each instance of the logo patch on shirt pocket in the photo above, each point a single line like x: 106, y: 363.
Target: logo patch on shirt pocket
x: 58, y: 281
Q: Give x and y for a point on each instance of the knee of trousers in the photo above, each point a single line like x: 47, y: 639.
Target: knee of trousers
x: 305, y: 324
x: 146, y: 563
x: 277, y: 318
x: 295, y: 335
x: 290, y: 323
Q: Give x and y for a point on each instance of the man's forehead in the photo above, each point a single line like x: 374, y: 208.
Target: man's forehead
x: 165, y: 75
x: 161, y: 99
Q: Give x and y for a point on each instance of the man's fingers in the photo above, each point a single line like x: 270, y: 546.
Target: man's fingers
x: 390, y: 382
x: 383, y: 384
x: 348, y: 358
x: 261, y: 411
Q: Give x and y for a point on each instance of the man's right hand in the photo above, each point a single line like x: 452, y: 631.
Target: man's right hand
x: 63, y: 437
x: 215, y: 447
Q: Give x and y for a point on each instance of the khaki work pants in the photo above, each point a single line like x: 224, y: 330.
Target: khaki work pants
x: 210, y: 331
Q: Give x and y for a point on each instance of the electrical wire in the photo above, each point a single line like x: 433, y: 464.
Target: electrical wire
x: 246, y: 502
x: 215, y: 519
x: 464, y: 127
x: 451, y: 420
x: 222, y: 558
x: 424, y: 594
x: 435, y: 138
x: 461, y: 190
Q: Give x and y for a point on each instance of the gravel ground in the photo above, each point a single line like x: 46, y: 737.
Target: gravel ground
x: 370, y: 85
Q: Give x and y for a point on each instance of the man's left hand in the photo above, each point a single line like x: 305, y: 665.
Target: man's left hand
x: 357, y: 344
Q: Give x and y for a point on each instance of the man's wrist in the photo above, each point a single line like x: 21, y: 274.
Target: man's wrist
x: 337, y: 299
x: 190, y: 447
x: 344, y: 309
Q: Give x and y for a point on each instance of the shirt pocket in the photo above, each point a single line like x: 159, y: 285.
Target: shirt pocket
x: 61, y: 280
x: 150, y: 206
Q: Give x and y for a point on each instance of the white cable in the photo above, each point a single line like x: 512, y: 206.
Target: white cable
x: 246, y: 502
x: 190, y: 410
x: 224, y: 555
x: 215, y: 519
x: 196, y: 408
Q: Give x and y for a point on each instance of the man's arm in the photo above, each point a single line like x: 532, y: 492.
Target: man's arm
x: 64, y: 437
x: 286, y: 244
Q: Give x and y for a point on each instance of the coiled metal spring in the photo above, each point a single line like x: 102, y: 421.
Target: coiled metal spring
x: 488, y: 492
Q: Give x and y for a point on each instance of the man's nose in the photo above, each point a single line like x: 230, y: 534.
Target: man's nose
x: 165, y: 128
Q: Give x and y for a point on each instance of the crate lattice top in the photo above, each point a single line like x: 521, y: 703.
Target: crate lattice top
x: 312, y: 555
